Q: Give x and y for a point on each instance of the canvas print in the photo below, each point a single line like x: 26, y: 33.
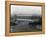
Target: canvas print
x: 25, y: 18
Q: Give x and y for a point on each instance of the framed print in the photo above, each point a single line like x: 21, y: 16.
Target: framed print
x: 24, y: 18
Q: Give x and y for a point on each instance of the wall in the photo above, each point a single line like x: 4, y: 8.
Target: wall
x: 2, y: 18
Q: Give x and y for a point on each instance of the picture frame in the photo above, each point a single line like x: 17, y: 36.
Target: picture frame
x: 8, y: 15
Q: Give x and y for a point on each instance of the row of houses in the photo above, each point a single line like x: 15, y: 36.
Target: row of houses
x: 31, y: 19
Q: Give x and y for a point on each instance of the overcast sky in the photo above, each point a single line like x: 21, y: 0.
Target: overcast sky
x: 30, y: 10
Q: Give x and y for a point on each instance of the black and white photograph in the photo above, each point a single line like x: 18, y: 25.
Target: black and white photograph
x: 25, y: 18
